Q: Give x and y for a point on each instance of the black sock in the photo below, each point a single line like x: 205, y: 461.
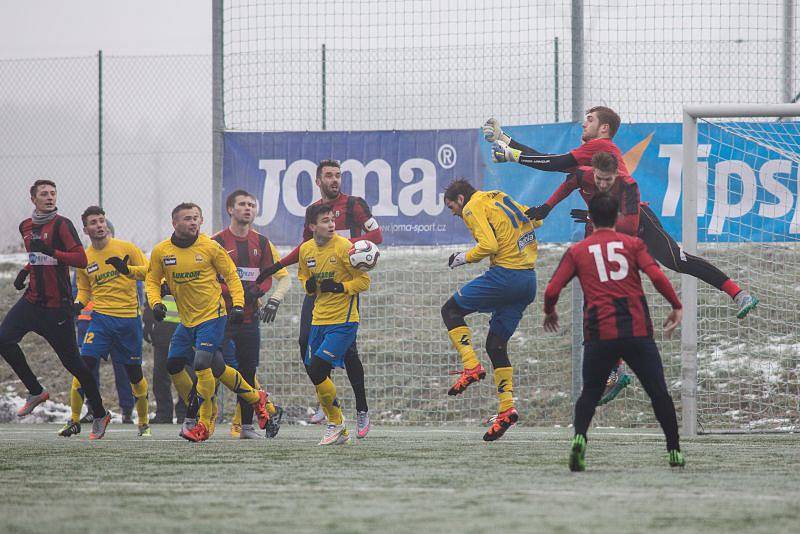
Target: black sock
x: 16, y: 359
x: 355, y: 373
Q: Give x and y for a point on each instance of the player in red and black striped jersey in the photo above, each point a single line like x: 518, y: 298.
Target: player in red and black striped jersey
x: 251, y: 252
x: 354, y: 221
x: 46, y: 307
x: 616, y: 320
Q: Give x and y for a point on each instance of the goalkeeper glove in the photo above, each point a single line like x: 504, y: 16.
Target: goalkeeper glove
x: 159, y: 312
x: 539, y: 212
x: 19, y: 281
x: 493, y: 133
x: 269, y: 311
x: 269, y: 271
x: 236, y: 315
x: 502, y: 153
x: 311, y: 285
x: 37, y: 245
x: 457, y: 259
x: 329, y: 286
x: 121, y: 265
x: 580, y: 216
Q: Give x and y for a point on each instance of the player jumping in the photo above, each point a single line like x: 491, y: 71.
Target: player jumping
x: 46, y: 308
x: 353, y: 220
x: 506, y: 235
x: 616, y: 321
x: 325, y: 271
x: 251, y: 252
x: 116, y: 326
x: 190, y: 262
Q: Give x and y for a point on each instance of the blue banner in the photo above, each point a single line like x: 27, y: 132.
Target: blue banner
x: 401, y: 175
x: 742, y: 195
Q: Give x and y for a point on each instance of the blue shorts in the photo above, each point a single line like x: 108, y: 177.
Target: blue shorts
x: 207, y: 336
x: 505, y: 293
x: 121, y: 337
x: 331, y: 342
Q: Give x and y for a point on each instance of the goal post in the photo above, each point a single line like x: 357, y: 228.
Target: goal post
x: 745, y: 386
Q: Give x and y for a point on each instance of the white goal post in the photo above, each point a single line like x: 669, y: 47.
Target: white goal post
x: 765, y: 119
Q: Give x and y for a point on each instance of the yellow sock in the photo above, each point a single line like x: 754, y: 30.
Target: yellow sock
x: 461, y: 338
x: 205, y: 393
x: 183, y: 384
x: 75, y: 400
x: 142, y: 404
x: 235, y: 382
x: 503, y: 379
x: 326, y: 393
x: 237, y: 415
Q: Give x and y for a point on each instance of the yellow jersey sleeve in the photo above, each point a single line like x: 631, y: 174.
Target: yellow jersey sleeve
x: 478, y: 224
x: 84, y: 289
x: 303, y: 271
x: 138, y: 264
x: 155, y: 274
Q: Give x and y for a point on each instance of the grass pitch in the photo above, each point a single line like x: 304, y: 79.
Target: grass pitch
x: 399, y: 479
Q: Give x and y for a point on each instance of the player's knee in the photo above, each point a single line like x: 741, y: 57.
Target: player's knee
x: 319, y: 370
x: 202, y: 360
x: 497, y: 349
x: 453, y: 314
x: 134, y: 373
x: 217, y: 364
x: 175, y: 365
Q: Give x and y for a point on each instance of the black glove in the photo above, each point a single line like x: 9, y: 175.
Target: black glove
x: 236, y: 315
x: 37, y: 245
x: 147, y: 332
x: 121, y: 265
x: 539, y: 212
x: 580, y: 216
x: 269, y: 271
x: 329, y: 286
x: 252, y: 293
x: 19, y: 281
x: 78, y: 307
x: 269, y: 310
x: 165, y: 289
x: 311, y: 285
x: 159, y: 312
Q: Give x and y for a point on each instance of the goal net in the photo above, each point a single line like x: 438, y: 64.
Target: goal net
x: 748, y: 225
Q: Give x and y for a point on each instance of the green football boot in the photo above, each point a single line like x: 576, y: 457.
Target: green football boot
x: 676, y: 458
x: 577, y: 455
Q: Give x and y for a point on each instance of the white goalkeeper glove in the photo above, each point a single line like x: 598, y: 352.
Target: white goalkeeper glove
x: 492, y: 132
x: 502, y: 153
x: 457, y: 259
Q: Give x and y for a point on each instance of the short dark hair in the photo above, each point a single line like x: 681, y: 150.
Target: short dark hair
x: 603, y: 209
x: 186, y: 206
x: 605, y: 162
x: 327, y: 163
x: 459, y: 186
x: 91, y: 210
x: 231, y: 200
x: 608, y: 116
x: 37, y: 183
x: 314, y: 211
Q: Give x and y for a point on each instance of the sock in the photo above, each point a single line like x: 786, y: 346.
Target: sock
x: 731, y: 288
x: 326, y: 393
x: 503, y: 379
x: 142, y: 404
x: 205, y: 395
x: 75, y: 400
x: 235, y: 382
x: 183, y: 384
x: 461, y: 338
x: 237, y: 415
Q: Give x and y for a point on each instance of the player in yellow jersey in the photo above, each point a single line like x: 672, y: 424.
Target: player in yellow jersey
x: 325, y: 271
x: 190, y: 262
x: 505, y: 234
x: 116, y: 327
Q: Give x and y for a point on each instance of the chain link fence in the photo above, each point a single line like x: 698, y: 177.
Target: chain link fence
x: 134, y: 131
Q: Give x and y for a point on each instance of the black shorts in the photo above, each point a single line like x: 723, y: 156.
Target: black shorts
x: 56, y: 325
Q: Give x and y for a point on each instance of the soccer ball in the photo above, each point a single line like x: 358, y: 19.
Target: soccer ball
x: 364, y: 255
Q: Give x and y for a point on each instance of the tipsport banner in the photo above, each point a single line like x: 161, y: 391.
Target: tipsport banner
x: 402, y: 175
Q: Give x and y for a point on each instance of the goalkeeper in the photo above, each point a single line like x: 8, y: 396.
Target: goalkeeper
x: 599, y: 128
x: 506, y: 236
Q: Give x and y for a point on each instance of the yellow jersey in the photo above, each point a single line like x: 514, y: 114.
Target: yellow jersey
x: 332, y: 260
x: 502, y: 231
x: 113, y: 293
x: 191, y: 274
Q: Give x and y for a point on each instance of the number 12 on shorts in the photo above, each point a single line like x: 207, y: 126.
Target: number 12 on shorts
x: 612, y: 256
